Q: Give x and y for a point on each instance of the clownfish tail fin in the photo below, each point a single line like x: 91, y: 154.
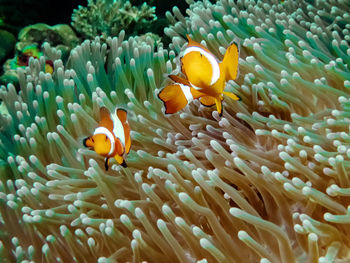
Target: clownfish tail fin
x: 175, y: 97
x: 229, y: 64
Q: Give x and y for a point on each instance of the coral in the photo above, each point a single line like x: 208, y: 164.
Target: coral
x: 7, y: 44
x: 107, y: 18
x: 266, y: 182
x: 60, y: 36
x: 30, y: 40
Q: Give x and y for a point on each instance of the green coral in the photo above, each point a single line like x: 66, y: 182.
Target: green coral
x: 30, y: 40
x: 7, y: 44
x: 108, y: 18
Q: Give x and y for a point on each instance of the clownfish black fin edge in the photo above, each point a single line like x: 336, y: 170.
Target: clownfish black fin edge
x: 106, y: 163
x: 222, y: 111
x: 122, y: 109
x: 162, y: 102
x: 208, y: 106
x: 84, y: 141
x: 205, y: 103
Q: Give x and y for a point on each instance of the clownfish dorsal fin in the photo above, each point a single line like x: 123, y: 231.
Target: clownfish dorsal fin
x: 122, y: 115
x: 229, y: 64
x: 105, y: 118
x: 178, y: 79
x: 192, y: 43
x: 104, y: 112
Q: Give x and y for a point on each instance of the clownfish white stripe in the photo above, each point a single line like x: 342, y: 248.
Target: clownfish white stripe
x: 212, y: 60
x: 195, y: 87
x: 105, y: 131
x: 118, y: 128
x: 187, y: 92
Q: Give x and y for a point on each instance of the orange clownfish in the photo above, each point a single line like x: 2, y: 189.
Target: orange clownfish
x: 204, y: 78
x: 112, y: 136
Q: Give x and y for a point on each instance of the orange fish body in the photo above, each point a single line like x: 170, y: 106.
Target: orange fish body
x: 112, y: 136
x: 205, y: 78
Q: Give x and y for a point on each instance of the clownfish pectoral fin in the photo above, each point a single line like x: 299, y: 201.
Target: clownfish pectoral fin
x: 122, y: 114
x: 229, y: 64
x: 218, y: 103
x: 207, y: 101
x: 106, y: 163
x: 175, y: 97
x: 232, y: 95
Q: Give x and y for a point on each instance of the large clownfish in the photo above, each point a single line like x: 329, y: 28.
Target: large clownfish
x: 204, y: 78
x: 112, y: 136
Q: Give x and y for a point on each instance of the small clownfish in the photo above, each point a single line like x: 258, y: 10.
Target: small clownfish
x: 205, y: 78
x: 112, y: 136
x: 22, y: 60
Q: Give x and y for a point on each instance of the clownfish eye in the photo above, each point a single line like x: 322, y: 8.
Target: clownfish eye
x: 106, y: 137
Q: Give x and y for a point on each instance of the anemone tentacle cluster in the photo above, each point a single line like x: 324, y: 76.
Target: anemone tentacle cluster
x: 267, y: 182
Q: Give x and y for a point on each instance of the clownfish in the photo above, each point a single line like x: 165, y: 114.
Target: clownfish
x: 204, y: 78
x: 22, y: 59
x: 112, y: 136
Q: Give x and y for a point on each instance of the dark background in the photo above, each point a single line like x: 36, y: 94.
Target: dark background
x: 16, y: 14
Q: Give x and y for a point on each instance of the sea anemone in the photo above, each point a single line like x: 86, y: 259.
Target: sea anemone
x: 266, y: 182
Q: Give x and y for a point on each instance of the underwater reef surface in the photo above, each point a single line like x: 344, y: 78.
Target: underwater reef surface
x: 16, y: 14
x: 108, y: 18
x: 266, y: 182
